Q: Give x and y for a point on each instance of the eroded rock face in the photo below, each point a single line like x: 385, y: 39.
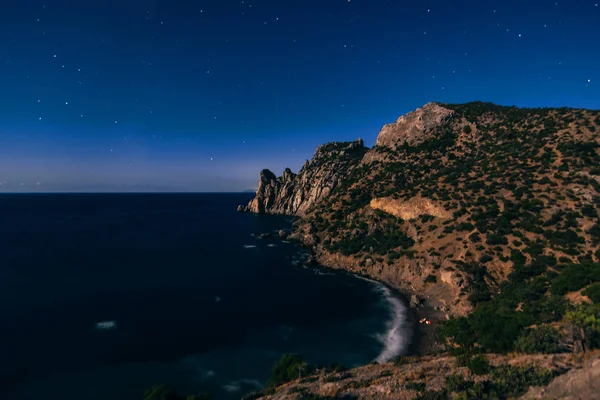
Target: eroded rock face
x: 409, y: 209
x: 583, y: 383
x: 415, y: 127
x: 294, y: 194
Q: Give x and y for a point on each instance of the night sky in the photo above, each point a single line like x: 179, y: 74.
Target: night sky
x: 183, y: 95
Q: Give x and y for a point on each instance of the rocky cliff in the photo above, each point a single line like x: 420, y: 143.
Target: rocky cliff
x: 295, y: 194
x: 415, y: 127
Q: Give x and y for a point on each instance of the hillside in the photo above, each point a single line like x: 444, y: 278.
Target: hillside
x: 488, y: 214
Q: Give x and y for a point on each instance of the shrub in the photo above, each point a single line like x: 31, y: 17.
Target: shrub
x: 456, y: 384
x: 543, y: 339
x: 288, y: 368
x: 430, y: 279
x: 593, y: 292
x: 462, y: 360
x: 513, y: 382
x: 474, y: 237
x: 479, y: 365
x: 417, y: 386
x: 575, y: 277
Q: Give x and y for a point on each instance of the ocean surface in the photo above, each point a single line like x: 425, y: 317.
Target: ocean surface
x: 196, y: 299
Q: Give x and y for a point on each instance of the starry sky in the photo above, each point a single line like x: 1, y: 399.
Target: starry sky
x: 182, y: 95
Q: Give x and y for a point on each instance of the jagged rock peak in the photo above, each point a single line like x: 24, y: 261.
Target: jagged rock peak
x: 266, y: 176
x: 414, y: 128
x: 331, y: 147
x: 295, y: 194
x: 288, y: 175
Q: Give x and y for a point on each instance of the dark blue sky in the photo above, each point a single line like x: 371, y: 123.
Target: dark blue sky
x: 182, y: 95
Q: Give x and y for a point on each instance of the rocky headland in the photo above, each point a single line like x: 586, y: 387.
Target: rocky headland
x: 485, y: 216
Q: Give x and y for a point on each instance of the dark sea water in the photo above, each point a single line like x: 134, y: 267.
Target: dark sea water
x: 199, y: 302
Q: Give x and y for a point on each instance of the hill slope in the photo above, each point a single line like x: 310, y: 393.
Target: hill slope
x: 488, y: 214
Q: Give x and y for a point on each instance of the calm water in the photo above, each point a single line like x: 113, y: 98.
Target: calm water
x: 200, y: 303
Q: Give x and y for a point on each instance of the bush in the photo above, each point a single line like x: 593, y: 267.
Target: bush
x: 593, y: 292
x: 456, y: 384
x: 479, y: 365
x: 575, y: 277
x: 416, y: 386
x: 586, y: 317
x: 543, y: 339
x: 430, y: 279
x: 513, y: 382
x: 288, y: 368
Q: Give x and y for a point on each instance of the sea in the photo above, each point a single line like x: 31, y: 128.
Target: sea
x: 103, y: 296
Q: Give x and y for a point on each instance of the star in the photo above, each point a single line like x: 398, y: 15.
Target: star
x: 519, y: 35
x: 589, y: 80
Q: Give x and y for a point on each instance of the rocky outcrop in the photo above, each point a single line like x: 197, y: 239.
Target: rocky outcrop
x: 409, y: 209
x: 294, y: 194
x: 415, y: 127
x: 582, y: 383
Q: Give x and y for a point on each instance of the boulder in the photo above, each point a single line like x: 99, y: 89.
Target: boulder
x: 415, y: 301
x: 452, y: 278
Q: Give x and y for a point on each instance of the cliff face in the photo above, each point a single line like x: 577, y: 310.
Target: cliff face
x: 415, y: 127
x: 295, y: 194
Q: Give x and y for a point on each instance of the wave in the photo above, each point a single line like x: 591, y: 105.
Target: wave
x: 236, y: 386
x: 396, y: 338
x: 249, y: 246
x: 271, y: 245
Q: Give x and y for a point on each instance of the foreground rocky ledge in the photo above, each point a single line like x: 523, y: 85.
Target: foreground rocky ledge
x: 410, y: 377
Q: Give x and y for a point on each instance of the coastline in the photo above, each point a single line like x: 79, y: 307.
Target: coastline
x: 422, y: 336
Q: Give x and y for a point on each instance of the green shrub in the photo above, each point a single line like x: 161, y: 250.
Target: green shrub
x: 416, y: 386
x: 593, y: 292
x: 430, y: 279
x: 456, y: 384
x: 543, y: 339
x: 288, y: 368
x: 479, y: 365
x: 462, y: 360
x: 512, y: 382
x: 574, y: 277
